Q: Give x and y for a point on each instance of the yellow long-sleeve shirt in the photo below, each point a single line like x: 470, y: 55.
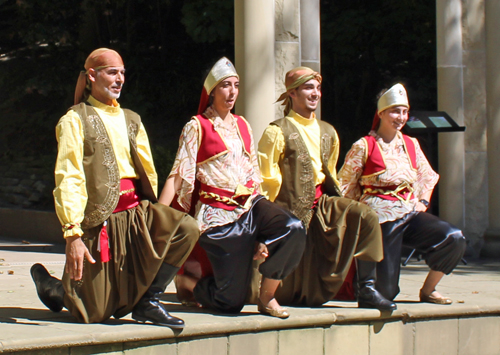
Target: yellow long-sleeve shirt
x: 272, y: 146
x: 70, y: 193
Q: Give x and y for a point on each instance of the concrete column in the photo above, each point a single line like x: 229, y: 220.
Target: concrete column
x: 310, y: 34
x: 451, y: 99
x: 310, y: 38
x: 476, y: 157
x: 287, y: 45
x: 492, y: 235
x: 254, y: 43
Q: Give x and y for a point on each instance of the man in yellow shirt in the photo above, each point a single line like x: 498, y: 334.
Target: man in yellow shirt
x: 122, y: 250
x: 297, y: 157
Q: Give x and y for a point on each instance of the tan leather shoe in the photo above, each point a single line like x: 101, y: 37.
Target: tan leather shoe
x: 279, y: 313
x: 433, y: 299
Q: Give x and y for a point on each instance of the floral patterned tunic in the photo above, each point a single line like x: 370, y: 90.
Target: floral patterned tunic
x: 398, y: 171
x: 225, y: 172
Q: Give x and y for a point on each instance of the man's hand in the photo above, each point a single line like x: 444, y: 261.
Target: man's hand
x: 261, y: 252
x: 76, y: 251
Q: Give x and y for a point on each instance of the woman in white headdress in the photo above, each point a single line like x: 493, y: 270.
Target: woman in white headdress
x: 388, y: 171
x: 216, y: 177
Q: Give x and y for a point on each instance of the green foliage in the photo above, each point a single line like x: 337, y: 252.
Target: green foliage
x: 208, y: 21
x: 43, y: 46
x: 164, y: 158
x: 368, y: 46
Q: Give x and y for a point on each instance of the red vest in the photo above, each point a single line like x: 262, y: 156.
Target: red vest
x: 375, y: 164
x: 211, y: 143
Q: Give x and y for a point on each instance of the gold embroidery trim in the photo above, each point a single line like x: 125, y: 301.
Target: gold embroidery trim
x: 404, y: 185
x: 240, y: 192
x: 126, y: 191
x: 111, y: 199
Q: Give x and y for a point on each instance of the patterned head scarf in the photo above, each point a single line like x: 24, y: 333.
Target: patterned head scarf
x: 293, y: 79
x: 98, y: 59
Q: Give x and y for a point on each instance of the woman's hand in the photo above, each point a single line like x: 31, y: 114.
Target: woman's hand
x: 261, y: 251
x: 420, y: 207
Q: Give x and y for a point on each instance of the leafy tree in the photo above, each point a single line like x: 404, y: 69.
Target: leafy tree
x: 43, y: 46
x: 368, y: 46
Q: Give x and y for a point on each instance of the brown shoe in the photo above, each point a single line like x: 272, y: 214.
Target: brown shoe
x: 433, y: 299
x: 279, y: 313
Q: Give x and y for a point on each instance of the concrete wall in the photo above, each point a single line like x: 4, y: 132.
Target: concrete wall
x: 30, y: 225
x: 460, y: 336
x: 463, y: 163
x: 476, y: 162
x: 287, y: 49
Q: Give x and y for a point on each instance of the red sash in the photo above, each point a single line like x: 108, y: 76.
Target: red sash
x: 224, y: 199
x: 128, y: 199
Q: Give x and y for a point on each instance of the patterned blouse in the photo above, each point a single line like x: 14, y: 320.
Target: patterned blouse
x: 398, y: 171
x: 225, y: 172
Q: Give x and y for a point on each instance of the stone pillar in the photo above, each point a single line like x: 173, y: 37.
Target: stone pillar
x: 310, y: 34
x: 298, y: 40
x: 476, y: 157
x: 310, y: 39
x: 451, y: 100
x: 492, y: 235
x: 287, y: 45
x: 254, y: 61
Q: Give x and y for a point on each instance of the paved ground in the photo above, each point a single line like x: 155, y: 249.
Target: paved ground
x: 25, y: 322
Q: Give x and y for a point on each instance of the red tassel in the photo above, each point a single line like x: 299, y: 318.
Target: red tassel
x: 104, y: 244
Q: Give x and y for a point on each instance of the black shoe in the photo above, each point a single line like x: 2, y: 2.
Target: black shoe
x: 50, y: 290
x: 151, y: 310
x: 368, y: 297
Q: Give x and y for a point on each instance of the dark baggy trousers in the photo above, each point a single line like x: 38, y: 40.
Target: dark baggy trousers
x: 230, y: 249
x: 442, y: 244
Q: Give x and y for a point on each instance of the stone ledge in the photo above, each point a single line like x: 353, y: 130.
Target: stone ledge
x: 58, y: 330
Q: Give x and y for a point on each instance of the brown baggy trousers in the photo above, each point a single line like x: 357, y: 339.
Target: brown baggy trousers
x: 140, y: 240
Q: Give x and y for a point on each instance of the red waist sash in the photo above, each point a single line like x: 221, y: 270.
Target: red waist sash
x: 320, y: 190
x: 227, y: 200
x: 128, y: 195
x: 128, y: 199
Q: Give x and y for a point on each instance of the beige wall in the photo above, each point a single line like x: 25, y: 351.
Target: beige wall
x: 492, y: 35
x: 474, y: 74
